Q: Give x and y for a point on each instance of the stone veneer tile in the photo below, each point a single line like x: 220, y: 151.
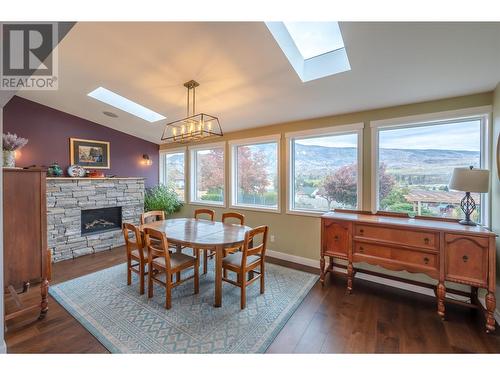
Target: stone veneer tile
x: 67, y: 197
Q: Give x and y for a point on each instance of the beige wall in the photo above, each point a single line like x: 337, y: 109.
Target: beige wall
x: 495, y: 179
x: 300, y: 235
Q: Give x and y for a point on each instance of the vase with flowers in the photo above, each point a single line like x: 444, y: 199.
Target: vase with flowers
x: 10, y: 144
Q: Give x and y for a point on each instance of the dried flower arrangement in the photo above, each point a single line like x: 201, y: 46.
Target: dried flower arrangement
x: 11, y: 142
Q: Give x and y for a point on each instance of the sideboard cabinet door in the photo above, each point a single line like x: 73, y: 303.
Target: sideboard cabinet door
x: 336, y: 238
x: 466, y: 259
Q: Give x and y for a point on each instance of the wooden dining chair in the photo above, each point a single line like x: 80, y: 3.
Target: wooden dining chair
x: 135, y: 252
x: 240, y: 219
x: 207, y: 253
x: 150, y: 216
x: 161, y: 261
x: 228, y: 217
x: 247, y: 261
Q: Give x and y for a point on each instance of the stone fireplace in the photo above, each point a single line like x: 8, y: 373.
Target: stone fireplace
x: 84, y: 215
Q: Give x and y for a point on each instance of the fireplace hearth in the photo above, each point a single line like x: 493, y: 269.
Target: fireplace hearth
x: 100, y: 220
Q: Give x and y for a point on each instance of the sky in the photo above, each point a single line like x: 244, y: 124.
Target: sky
x: 461, y: 136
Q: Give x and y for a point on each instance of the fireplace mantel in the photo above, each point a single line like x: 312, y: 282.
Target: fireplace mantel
x: 68, y: 196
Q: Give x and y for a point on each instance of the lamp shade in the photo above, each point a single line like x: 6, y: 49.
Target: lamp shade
x: 470, y: 180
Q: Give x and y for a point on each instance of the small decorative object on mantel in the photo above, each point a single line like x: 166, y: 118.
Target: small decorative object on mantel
x: 469, y: 180
x: 95, y: 174
x: 54, y: 170
x: 89, y: 154
x: 10, y: 144
x: 76, y: 170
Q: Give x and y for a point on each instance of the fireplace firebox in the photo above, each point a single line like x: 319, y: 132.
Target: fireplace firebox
x: 100, y: 220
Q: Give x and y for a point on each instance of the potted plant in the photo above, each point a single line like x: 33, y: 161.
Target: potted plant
x: 10, y: 144
x: 163, y: 198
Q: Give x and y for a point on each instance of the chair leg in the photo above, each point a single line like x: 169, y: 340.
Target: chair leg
x: 262, y: 278
x: 196, y: 276
x: 150, y: 281
x: 129, y: 272
x: 141, y: 279
x: 243, y: 291
x: 205, y: 261
x: 168, y: 293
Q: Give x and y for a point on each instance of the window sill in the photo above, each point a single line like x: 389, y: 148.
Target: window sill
x: 306, y: 213
x: 256, y: 208
x: 207, y: 203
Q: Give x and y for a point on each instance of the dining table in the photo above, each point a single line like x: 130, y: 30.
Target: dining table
x: 202, y: 234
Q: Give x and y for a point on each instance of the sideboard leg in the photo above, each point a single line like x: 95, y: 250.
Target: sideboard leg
x: 350, y: 277
x: 322, y: 270
x: 44, y: 305
x: 441, y: 294
x: 490, y: 311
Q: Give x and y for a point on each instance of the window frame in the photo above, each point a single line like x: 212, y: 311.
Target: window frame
x: 192, y: 173
x: 355, y: 128
x: 162, y: 167
x: 233, y: 189
x: 482, y: 113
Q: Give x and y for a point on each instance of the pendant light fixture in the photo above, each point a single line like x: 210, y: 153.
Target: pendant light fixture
x: 195, y: 126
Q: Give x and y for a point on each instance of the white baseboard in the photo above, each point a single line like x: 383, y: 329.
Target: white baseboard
x: 376, y: 279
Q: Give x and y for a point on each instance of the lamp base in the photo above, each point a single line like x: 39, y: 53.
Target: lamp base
x: 467, y: 222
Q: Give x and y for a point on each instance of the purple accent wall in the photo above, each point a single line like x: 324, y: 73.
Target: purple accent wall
x: 49, y: 130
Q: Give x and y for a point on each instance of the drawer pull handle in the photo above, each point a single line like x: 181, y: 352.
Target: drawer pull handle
x: 426, y: 241
x: 465, y: 258
x: 361, y: 249
x: 336, y: 238
x: 426, y: 260
x: 361, y: 231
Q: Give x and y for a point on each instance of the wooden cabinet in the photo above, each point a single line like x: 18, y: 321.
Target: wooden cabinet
x: 26, y: 256
x: 442, y: 249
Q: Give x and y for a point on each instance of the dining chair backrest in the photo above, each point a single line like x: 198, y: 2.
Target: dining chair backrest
x: 133, y: 239
x: 248, y: 247
x: 150, y: 216
x: 233, y: 215
x: 204, y: 211
x: 157, y: 245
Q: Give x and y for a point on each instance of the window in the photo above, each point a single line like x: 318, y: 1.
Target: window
x: 207, y: 174
x: 254, y: 173
x: 325, y: 169
x: 172, y: 171
x: 314, y: 49
x: 415, y: 163
x: 315, y: 38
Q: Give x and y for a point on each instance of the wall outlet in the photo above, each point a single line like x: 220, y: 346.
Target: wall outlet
x: 272, y: 237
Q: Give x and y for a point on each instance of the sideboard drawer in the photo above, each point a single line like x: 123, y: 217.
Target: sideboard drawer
x: 399, y: 258
x: 425, y: 240
x: 466, y: 259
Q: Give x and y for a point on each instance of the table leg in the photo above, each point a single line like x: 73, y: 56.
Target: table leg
x: 178, y: 249
x: 218, y: 275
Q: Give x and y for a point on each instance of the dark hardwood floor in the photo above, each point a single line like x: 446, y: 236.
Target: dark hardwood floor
x: 374, y: 319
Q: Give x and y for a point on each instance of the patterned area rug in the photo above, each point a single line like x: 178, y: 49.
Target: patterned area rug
x: 125, y: 322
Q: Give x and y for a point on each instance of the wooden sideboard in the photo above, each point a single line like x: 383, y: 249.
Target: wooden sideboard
x: 444, y: 250
x: 26, y: 256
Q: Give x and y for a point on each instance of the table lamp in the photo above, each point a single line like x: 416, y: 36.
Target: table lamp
x: 469, y: 180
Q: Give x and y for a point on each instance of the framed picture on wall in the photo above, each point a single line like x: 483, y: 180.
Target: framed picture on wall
x: 89, y: 154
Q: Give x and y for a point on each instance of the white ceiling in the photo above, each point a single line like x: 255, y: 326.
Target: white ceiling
x: 247, y: 81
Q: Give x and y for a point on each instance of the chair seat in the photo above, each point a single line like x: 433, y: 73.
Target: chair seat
x: 235, y: 259
x: 135, y: 254
x: 176, y: 260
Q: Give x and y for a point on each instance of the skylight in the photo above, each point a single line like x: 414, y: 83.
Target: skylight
x: 127, y: 105
x: 315, y: 38
x: 314, y: 49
